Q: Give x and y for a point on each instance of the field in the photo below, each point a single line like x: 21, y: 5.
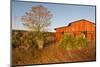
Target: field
x: 28, y: 52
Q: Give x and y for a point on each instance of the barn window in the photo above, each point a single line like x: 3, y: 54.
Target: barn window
x: 62, y: 33
x: 85, y: 33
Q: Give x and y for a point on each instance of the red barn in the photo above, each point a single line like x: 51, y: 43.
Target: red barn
x: 76, y: 28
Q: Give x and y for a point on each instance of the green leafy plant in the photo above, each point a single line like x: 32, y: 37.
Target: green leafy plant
x: 81, y: 42
x: 69, y: 42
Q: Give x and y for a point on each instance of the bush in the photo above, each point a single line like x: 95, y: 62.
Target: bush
x: 81, y: 42
x: 15, y: 40
x: 39, y: 39
x: 69, y: 42
x: 22, y: 38
x: 28, y: 39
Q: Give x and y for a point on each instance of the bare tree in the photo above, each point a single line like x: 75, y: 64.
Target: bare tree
x: 38, y: 20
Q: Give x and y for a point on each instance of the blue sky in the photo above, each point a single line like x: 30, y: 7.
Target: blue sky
x: 63, y: 14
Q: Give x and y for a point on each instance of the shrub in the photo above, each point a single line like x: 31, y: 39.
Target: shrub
x: 22, y: 38
x: 81, y: 42
x: 15, y: 40
x: 28, y: 39
x: 39, y: 39
x: 69, y: 42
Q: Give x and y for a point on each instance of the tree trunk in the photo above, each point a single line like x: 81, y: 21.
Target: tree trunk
x: 40, y: 44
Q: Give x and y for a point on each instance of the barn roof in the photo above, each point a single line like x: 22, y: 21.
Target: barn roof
x: 80, y: 20
x: 74, y: 22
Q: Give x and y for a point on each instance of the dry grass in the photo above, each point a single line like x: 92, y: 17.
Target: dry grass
x: 53, y: 54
